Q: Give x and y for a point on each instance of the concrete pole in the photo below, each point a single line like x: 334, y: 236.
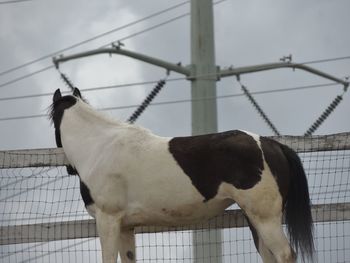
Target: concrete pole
x: 206, y: 243
x: 204, y: 112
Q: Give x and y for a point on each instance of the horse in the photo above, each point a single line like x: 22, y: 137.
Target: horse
x: 131, y: 177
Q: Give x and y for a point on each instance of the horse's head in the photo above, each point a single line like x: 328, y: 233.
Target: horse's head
x: 59, y: 105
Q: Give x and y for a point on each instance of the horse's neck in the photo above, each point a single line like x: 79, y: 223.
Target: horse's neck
x: 88, y: 115
x: 85, y: 131
x: 82, y: 120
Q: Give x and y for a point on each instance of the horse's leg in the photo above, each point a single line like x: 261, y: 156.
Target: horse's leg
x: 273, y: 239
x: 264, y: 252
x: 108, y: 227
x: 127, y: 249
x: 263, y: 206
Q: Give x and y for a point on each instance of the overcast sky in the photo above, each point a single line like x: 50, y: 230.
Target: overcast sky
x: 246, y: 33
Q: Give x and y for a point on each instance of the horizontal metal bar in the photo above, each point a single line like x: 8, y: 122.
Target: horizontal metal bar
x: 187, y: 72
x: 121, y: 51
x: 56, y: 156
x: 32, y: 158
x: 45, y: 232
x: 250, y: 69
x: 316, y: 143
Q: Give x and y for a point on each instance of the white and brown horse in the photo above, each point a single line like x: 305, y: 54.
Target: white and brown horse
x: 131, y: 177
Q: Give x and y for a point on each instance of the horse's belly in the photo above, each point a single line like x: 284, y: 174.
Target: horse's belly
x: 174, y: 216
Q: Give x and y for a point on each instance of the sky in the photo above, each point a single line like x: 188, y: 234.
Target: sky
x: 246, y: 33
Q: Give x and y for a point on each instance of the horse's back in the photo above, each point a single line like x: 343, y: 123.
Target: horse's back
x: 240, y: 165
x: 232, y: 157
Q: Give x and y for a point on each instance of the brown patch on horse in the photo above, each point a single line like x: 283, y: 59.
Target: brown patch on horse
x: 233, y: 157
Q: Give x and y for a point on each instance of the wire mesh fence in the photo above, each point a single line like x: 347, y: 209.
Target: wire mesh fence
x: 43, y: 219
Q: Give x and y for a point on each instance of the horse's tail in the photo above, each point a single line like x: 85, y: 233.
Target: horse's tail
x: 298, y: 207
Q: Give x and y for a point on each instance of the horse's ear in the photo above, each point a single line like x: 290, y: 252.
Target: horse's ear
x: 76, y: 93
x: 57, y: 95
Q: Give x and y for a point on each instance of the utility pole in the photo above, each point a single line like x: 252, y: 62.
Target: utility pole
x: 204, y: 112
x: 206, y: 243
x: 203, y: 74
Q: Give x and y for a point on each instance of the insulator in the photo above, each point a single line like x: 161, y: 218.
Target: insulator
x: 324, y: 115
x: 67, y: 81
x: 259, y: 109
x: 328, y: 111
x: 146, y: 101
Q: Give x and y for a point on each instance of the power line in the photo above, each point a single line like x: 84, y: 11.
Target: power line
x: 117, y: 86
x: 121, y: 39
x: 24, y: 117
x: 83, y: 90
x: 181, y: 101
x: 92, y: 38
x: 144, y: 31
x: 13, y: 1
x: 326, y: 60
x: 25, y: 76
x: 154, y: 27
x: 134, y: 84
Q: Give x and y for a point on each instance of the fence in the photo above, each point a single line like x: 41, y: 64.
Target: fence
x: 42, y: 217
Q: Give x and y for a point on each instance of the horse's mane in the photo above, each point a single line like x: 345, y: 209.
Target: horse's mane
x: 56, y: 113
x: 57, y: 107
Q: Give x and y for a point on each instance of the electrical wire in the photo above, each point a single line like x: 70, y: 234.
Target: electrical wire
x: 14, y: 1
x: 174, y: 101
x: 107, y: 33
x: 120, y: 39
x: 152, y: 27
x: 117, y: 86
x: 26, y: 76
x: 92, y: 38
x: 326, y: 60
x: 140, y: 109
x: 144, y: 31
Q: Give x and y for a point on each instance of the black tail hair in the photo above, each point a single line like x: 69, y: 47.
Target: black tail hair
x: 298, y: 207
